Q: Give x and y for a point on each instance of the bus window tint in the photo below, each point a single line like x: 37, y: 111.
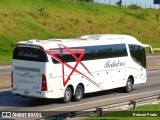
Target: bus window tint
x: 29, y: 54
x: 96, y: 52
x: 138, y: 54
x: 105, y: 51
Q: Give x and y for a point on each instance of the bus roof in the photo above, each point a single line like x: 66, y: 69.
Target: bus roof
x: 86, y: 40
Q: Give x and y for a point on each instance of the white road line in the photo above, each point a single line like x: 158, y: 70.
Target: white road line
x: 150, y: 71
x: 4, y: 90
x: 100, y: 101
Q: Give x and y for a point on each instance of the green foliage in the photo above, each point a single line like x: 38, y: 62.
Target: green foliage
x: 134, y: 7
x: 139, y: 15
x: 86, y: 0
x: 157, y: 16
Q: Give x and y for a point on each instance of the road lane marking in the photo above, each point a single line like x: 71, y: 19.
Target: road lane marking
x: 150, y: 71
x: 4, y: 90
x: 100, y: 101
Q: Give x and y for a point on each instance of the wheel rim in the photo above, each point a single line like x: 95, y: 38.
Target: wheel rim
x: 129, y: 85
x: 78, y: 93
x: 68, y: 95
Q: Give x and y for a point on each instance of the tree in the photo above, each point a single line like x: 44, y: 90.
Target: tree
x: 119, y: 3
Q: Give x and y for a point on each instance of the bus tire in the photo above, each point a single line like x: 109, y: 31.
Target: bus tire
x: 129, y: 86
x: 78, y: 93
x: 67, y: 95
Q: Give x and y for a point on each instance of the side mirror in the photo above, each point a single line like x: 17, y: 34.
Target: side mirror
x: 148, y: 49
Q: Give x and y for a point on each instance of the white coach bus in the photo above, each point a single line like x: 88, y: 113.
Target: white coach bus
x: 66, y: 68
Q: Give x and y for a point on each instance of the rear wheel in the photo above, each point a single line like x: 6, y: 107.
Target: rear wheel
x: 78, y: 93
x: 129, y: 85
x: 67, y: 95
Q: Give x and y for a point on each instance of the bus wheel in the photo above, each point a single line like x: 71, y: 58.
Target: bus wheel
x: 78, y: 93
x: 67, y: 95
x: 129, y: 85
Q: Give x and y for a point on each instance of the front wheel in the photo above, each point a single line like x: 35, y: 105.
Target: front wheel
x: 67, y: 95
x: 78, y: 93
x: 129, y: 86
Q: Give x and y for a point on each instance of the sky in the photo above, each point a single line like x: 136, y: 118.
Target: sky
x: 142, y: 3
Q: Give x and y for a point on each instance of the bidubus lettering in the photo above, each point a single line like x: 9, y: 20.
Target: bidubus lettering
x: 109, y: 64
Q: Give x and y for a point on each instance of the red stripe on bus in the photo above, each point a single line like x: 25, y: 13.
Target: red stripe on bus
x: 73, y: 69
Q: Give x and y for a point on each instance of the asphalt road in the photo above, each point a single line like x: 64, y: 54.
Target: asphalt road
x: 10, y: 102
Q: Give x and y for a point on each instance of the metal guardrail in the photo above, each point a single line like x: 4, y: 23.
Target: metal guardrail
x: 101, y: 110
